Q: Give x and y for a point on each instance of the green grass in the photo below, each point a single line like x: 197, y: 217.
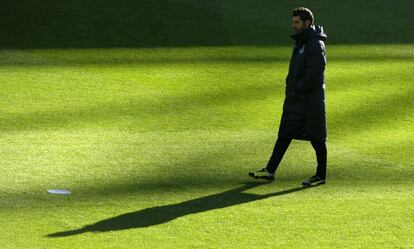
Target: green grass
x: 155, y: 145
x: 152, y: 113
x: 171, y: 23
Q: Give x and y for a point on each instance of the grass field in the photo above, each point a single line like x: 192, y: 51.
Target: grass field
x: 155, y: 144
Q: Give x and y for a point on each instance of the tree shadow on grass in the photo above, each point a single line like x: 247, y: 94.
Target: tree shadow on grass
x: 162, y: 214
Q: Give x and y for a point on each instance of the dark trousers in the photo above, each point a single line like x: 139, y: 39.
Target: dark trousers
x: 283, y: 143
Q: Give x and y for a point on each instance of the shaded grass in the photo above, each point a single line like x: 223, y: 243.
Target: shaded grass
x: 172, y: 23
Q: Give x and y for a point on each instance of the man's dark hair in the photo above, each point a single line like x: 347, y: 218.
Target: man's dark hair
x: 304, y: 13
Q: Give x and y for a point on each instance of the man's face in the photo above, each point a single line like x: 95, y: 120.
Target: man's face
x: 298, y: 25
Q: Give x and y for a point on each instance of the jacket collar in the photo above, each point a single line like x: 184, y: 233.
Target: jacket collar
x: 301, y: 37
x: 309, y: 33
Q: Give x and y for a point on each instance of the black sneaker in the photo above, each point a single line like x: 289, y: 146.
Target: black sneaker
x: 263, y: 174
x: 314, y: 179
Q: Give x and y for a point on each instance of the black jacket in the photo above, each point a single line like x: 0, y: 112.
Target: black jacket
x: 304, y: 108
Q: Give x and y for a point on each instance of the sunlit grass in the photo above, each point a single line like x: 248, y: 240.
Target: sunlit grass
x: 130, y: 129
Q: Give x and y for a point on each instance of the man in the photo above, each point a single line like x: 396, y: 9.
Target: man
x: 304, y: 109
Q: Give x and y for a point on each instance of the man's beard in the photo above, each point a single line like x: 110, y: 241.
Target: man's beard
x: 298, y: 30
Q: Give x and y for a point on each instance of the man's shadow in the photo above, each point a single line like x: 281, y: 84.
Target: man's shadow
x: 161, y: 214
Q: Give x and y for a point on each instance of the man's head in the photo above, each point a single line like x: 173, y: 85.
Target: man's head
x: 302, y: 19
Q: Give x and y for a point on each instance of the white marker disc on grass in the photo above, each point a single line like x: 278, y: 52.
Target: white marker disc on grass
x: 59, y: 191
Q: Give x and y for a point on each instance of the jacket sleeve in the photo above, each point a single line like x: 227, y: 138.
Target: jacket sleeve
x: 315, y: 66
